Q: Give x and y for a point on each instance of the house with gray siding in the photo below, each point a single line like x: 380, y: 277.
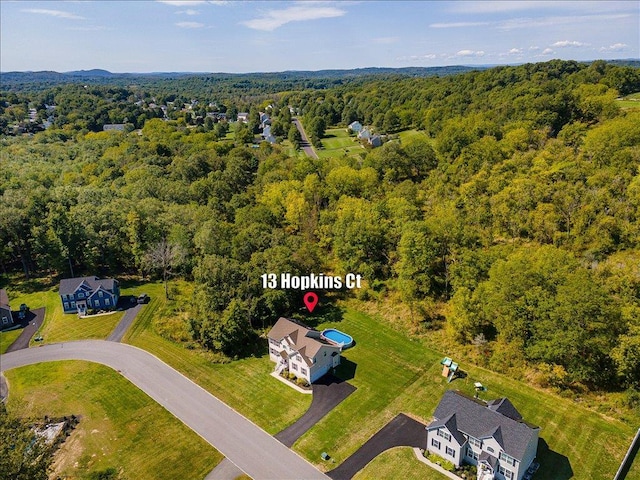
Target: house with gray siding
x: 301, y: 350
x: 491, y: 435
x: 78, y: 295
x: 6, y: 319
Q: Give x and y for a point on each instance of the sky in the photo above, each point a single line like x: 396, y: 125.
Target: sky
x: 272, y: 36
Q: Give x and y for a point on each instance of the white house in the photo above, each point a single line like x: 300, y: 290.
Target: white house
x: 243, y: 117
x: 355, y: 127
x: 301, y: 349
x: 364, y: 134
x: 491, y: 435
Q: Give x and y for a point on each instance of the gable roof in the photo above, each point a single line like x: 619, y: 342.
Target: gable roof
x: 505, y: 407
x: 70, y: 285
x: 305, y: 340
x: 481, y: 420
x: 451, y: 425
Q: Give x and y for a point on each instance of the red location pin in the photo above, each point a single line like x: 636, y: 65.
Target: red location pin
x: 310, y: 300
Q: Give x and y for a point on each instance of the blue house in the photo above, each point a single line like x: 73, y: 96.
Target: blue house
x: 81, y: 294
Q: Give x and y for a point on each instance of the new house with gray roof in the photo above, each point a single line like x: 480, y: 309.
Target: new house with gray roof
x: 491, y: 435
x: 301, y: 350
x: 84, y: 293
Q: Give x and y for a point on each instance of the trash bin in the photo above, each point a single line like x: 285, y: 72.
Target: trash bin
x: 325, y: 456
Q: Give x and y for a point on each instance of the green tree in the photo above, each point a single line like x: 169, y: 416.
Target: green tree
x: 23, y: 455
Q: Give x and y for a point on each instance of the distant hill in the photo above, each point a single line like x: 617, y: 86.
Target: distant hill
x: 45, y: 79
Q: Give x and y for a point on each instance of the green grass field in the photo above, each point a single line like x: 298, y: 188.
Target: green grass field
x: 338, y: 143
x: 630, y: 101
x: 120, y: 426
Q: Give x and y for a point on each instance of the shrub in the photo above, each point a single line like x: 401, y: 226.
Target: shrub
x: 437, y: 459
x: 302, y: 382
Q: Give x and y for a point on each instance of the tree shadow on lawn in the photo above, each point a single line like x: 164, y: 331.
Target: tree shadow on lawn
x: 328, y: 313
x: 24, y: 286
x: 553, y: 465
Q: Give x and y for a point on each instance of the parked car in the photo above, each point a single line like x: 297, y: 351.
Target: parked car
x: 143, y: 298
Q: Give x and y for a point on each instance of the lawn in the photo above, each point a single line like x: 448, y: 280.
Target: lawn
x: 402, y: 459
x: 119, y: 427
x: 338, y: 143
x: 409, y: 135
x: 630, y: 101
x: 7, y: 338
x: 395, y: 374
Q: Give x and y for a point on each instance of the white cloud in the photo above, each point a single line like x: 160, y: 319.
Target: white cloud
x: 470, y: 53
x: 616, y: 47
x: 459, y: 24
x: 276, y: 18
x: 568, y: 43
x: 547, y: 51
x: 54, y: 13
x: 190, y: 24
x: 188, y: 11
x: 515, y: 51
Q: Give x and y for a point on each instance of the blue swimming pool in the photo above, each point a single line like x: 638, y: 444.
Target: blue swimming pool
x: 337, y: 337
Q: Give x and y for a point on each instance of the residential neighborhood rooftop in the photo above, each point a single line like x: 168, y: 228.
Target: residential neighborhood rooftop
x: 495, y: 419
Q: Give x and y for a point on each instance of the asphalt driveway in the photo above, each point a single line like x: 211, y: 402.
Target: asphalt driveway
x: 124, y: 324
x: 328, y: 392
x: 32, y: 324
x: 402, y: 431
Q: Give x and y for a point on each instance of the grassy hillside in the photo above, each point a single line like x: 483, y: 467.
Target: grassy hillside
x: 120, y: 426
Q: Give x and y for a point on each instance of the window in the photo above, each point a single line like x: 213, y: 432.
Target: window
x: 298, y: 358
x: 294, y: 366
x: 443, y: 434
x: 96, y: 303
x: 100, y: 293
x: 450, y: 451
x: 303, y: 371
x: 475, y: 442
x: 66, y: 305
x: 73, y: 304
x: 435, y: 443
x: 507, y: 459
x: 490, y: 450
x: 507, y: 473
x: 107, y: 301
x: 5, y: 320
x: 273, y: 351
x: 80, y: 294
x: 472, y: 454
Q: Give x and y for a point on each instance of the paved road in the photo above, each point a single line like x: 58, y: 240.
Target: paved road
x: 305, y: 144
x: 124, y: 324
x: 33, y: 323
x: 249, y: 447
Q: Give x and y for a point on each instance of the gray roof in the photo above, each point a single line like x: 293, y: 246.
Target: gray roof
x: 451, y: 424
x: 480, y: 420
x: 302, y: 339
x: 70, y: 285
x: 505, y: 407
x: 4, y: 298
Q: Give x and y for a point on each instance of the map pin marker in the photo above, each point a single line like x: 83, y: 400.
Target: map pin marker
x: 310, y: 300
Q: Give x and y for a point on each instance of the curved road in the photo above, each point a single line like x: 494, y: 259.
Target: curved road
x: 252, y: 449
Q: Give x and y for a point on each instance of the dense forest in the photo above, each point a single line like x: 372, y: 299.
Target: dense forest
x: 514, y: 212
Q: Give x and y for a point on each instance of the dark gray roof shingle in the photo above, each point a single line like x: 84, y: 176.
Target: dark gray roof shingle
x: 475, y: 418
x: 70, y: 285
